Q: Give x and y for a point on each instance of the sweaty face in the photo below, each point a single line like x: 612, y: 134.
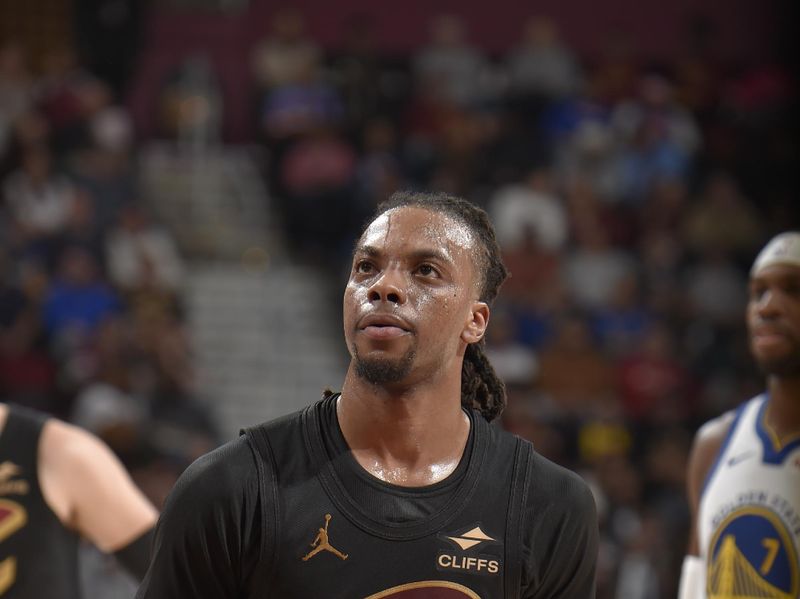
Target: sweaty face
x: 410, y: 296
x: 773, y: 319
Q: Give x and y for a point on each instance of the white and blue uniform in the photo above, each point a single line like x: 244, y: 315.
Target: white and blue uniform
x: 749, y: 514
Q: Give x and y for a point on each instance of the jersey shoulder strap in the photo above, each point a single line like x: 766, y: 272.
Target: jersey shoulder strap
x: 20, y: 438
x: 520, y: 483
x: 262, y: 439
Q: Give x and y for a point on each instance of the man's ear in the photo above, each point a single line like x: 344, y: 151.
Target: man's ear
x: 476, y: 325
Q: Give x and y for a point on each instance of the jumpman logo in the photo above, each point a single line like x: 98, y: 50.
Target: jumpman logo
x: 321, y: 543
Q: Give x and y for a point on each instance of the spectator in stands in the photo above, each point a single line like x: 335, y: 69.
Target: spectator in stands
x: 191, y: 104
x: 620, y: 325
x: 530, y: 207
x: 541, y: 64
x: 142, y: 255
x: 379, y: 170
x: 39, y: 201
x: 357, y: 73
x: 649, y: 156
x: 27, y: 372
x: 654, y: 386
x: 286, y: 54
x: 573, y: 350
x: 514, y: 362
x: 455, y: 68
x: 81, y: 227
x: 78, y: 299
x: 594, y: 267
x: 16, y: 89
x: 715, y: 288
x: 656, y: 103
x: 318, y: 173
x: 589, y: 155
x: 722, y: 218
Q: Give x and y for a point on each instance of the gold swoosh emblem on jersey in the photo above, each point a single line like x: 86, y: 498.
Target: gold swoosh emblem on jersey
x: 471, y: 538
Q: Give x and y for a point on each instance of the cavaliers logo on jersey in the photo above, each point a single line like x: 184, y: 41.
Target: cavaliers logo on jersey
x: 12, y: 518
x: 428, y: 589
x: 8, y: 471
x: 752, y: 555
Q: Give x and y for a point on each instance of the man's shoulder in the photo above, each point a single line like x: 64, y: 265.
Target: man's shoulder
x: 711, y: 435
x: 552, y: 483
x: 280, y: 423
x: 221, y: 471
x: 708, y: 443
x: 551, y: 480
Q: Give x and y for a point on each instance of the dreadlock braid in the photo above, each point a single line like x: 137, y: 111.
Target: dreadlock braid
x: 481, y: 388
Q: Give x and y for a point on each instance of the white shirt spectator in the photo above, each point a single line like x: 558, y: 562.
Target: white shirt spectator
x: 140, y: 254
x: 41, y: 207
x: 517, y: 211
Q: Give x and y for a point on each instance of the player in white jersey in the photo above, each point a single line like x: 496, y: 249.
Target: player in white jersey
x: 744, y: 471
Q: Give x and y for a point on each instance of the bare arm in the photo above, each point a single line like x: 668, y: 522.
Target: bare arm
x: 89, y: 489
x: 707, y: 443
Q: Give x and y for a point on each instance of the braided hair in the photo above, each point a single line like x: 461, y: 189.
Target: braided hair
x: 481, y: 388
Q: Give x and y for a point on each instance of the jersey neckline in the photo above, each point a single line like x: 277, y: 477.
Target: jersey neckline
x: 775, y: 452
x: 314, y: 420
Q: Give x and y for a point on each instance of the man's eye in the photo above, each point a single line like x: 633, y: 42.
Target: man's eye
x: 792, y: 289
x: 364, y: 267
x: 426, y: 270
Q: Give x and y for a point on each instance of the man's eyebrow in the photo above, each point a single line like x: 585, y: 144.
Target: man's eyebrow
x: 366, y: 249
x: 416, y: 255
x: 430, y: 254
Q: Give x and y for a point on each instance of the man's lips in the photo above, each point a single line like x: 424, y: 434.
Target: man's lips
x: 769, y: 337
x: 383, y: 332
x: 383, y: 326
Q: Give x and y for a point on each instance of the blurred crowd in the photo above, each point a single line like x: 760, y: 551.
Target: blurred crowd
x: 629, y: 199
x: 91, y: 326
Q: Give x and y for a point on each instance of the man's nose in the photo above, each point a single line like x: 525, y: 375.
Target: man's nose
x: 768, y: 305
x: 389, y: 287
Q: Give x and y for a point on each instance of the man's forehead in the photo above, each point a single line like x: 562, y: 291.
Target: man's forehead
x: 412, y: 224
x: 776, y: 271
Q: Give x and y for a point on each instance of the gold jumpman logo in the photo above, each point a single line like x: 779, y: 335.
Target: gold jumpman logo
x: 321, y: 543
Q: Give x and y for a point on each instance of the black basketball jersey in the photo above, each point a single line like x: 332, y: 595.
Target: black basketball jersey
x: 280, y: 522
x: 330, y: 546
x: 38, y: 555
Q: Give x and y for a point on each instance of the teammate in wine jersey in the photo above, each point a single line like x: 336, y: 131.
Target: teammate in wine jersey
x: 398, y: 486
x: 59, y: 483
x: 744, y: 471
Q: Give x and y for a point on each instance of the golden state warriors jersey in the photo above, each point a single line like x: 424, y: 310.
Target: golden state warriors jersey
x: 749, y: 513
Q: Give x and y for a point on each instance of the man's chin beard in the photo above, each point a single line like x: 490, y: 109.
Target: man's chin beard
x: 788, y: 366
x: 381, y: 371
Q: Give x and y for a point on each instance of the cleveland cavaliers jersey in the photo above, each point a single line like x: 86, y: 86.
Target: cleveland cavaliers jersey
x: 38, y: 555
x: 749, y: 513
x: 285, y: 511
x: 469, y: 547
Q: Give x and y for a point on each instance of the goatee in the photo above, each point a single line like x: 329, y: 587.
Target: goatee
x: 379, y: 371
x: 787, y: 366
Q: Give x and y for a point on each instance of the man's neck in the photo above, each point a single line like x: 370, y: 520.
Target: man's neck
x: 409, y: 436
x: 783, y: 415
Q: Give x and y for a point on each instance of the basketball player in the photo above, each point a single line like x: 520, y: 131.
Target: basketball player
x: 58, y: 483
x: 744, y: 471
x: 397, y: 486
